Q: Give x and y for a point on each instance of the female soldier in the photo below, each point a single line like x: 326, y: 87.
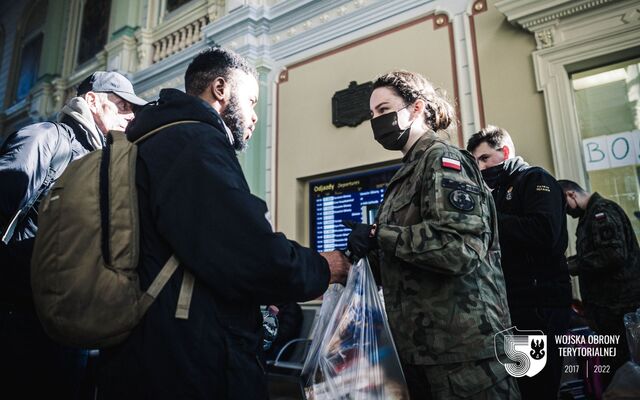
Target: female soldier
x: 439, y: 254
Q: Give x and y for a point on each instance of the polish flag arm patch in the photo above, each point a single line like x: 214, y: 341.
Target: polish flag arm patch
x: 451, y: 163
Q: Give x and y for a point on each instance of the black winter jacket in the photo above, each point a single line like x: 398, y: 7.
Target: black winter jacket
x: 194, y: 202
x: 533, y: 236
x: 26, y: 158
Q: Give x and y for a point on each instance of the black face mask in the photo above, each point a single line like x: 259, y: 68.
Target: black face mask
x: 387, y: 132
x: 492, y: 175
x: 575, y: 212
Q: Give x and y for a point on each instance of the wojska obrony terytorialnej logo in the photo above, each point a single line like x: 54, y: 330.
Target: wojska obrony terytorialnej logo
x: 523, y: 353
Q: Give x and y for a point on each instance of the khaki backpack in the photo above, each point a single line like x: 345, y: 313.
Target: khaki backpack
x: 83, y: 271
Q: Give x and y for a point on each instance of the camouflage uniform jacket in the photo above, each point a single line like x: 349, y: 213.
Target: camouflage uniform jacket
x: 608, y: 256
x: 440, y: 260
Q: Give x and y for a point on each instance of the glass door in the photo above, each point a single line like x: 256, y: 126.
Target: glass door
x: 608, y: 109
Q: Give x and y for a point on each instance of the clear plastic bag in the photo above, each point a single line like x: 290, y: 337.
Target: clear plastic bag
x: 330, y: 300
x: 356, y: 357
x: 632, y: 325
x: 625, y: 384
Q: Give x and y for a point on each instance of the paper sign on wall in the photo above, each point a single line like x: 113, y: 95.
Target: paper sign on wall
x: 611, y: 151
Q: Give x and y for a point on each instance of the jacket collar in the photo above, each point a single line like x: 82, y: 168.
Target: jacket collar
x: 511, y: 167
x: 419, y: 147
x: 595, y: 197
x: 413, y: 156
x: 78, y: 110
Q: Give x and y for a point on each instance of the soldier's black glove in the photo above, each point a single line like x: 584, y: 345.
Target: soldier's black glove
x: 360, y: 241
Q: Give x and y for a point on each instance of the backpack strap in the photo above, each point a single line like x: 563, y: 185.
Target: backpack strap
x: 60, y: 159
x: 188, y: 281
x: 184, y: 299
x: 186, y: 289
x: 158, y: 283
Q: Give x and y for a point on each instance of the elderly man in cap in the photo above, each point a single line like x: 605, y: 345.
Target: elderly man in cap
x: 31, y: 159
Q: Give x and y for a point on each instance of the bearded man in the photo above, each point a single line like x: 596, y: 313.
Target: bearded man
x: 195, y: 203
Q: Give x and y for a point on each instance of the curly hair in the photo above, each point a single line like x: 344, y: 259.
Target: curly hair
x: 411, y: 86
x: 210, y: 64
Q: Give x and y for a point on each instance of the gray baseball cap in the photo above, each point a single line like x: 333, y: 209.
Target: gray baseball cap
x: 110, y: 82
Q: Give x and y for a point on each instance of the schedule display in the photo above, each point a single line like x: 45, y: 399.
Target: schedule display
x: 345, y: 197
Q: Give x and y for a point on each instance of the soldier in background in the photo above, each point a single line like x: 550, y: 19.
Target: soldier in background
x: 533, y: 239
x: 607, y: 263
x: 436, y: 231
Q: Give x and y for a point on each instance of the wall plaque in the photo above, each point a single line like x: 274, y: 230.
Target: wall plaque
x: 350, y: 106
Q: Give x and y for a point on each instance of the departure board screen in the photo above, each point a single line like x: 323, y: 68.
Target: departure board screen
x: 345, y: 197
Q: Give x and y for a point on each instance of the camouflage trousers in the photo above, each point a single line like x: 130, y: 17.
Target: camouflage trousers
x: 474, y: 380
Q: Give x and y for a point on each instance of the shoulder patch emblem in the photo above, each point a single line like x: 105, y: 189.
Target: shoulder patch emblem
x: 462, y: 200
x: 451, y: 163
x: 542, y: 188
x: 600, y: 216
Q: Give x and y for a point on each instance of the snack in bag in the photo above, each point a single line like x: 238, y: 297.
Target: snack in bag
x: 355, y: 358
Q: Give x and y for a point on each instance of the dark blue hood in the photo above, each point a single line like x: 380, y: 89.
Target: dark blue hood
x: 172, y: 105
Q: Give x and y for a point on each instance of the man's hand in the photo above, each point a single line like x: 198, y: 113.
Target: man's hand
x: 362, y: 238
x: 572, y: 263
x: 338, y: 265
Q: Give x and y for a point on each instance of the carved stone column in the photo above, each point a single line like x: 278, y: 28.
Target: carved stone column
x: 41, y: 104
x: 59, y: 92
x: 145, y: 50
x: 122, y: 54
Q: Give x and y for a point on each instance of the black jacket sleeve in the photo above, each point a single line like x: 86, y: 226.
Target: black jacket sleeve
x: 24, y: 163
x: 220, y: 231
x: 541, y: 225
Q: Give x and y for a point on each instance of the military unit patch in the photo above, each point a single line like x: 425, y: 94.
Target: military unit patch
x: 462, y: 200
x: 600, y: 216
x: 451, y: 163
x: 467, y: 187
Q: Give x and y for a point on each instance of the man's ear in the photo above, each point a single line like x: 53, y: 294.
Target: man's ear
x: 219, y: 89
x: 92, y: 101
x: 505, y: 151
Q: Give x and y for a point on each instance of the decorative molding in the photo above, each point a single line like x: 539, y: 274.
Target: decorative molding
x: 122, y: 54
x: 73, y: 21
x: 531, y: 13
x: 544, y: 38
x: 479, y: 6
x: 290, y: 27
x: 440, y: 20
x: 558, y: 22
x: 631, y: 16
x: 579, y: 8
x: 124, y: 31
x: 283, y: 76
x: 60, y: 86
x: 179, y: 39
x: 473, y: 69
x: 99, y: 62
